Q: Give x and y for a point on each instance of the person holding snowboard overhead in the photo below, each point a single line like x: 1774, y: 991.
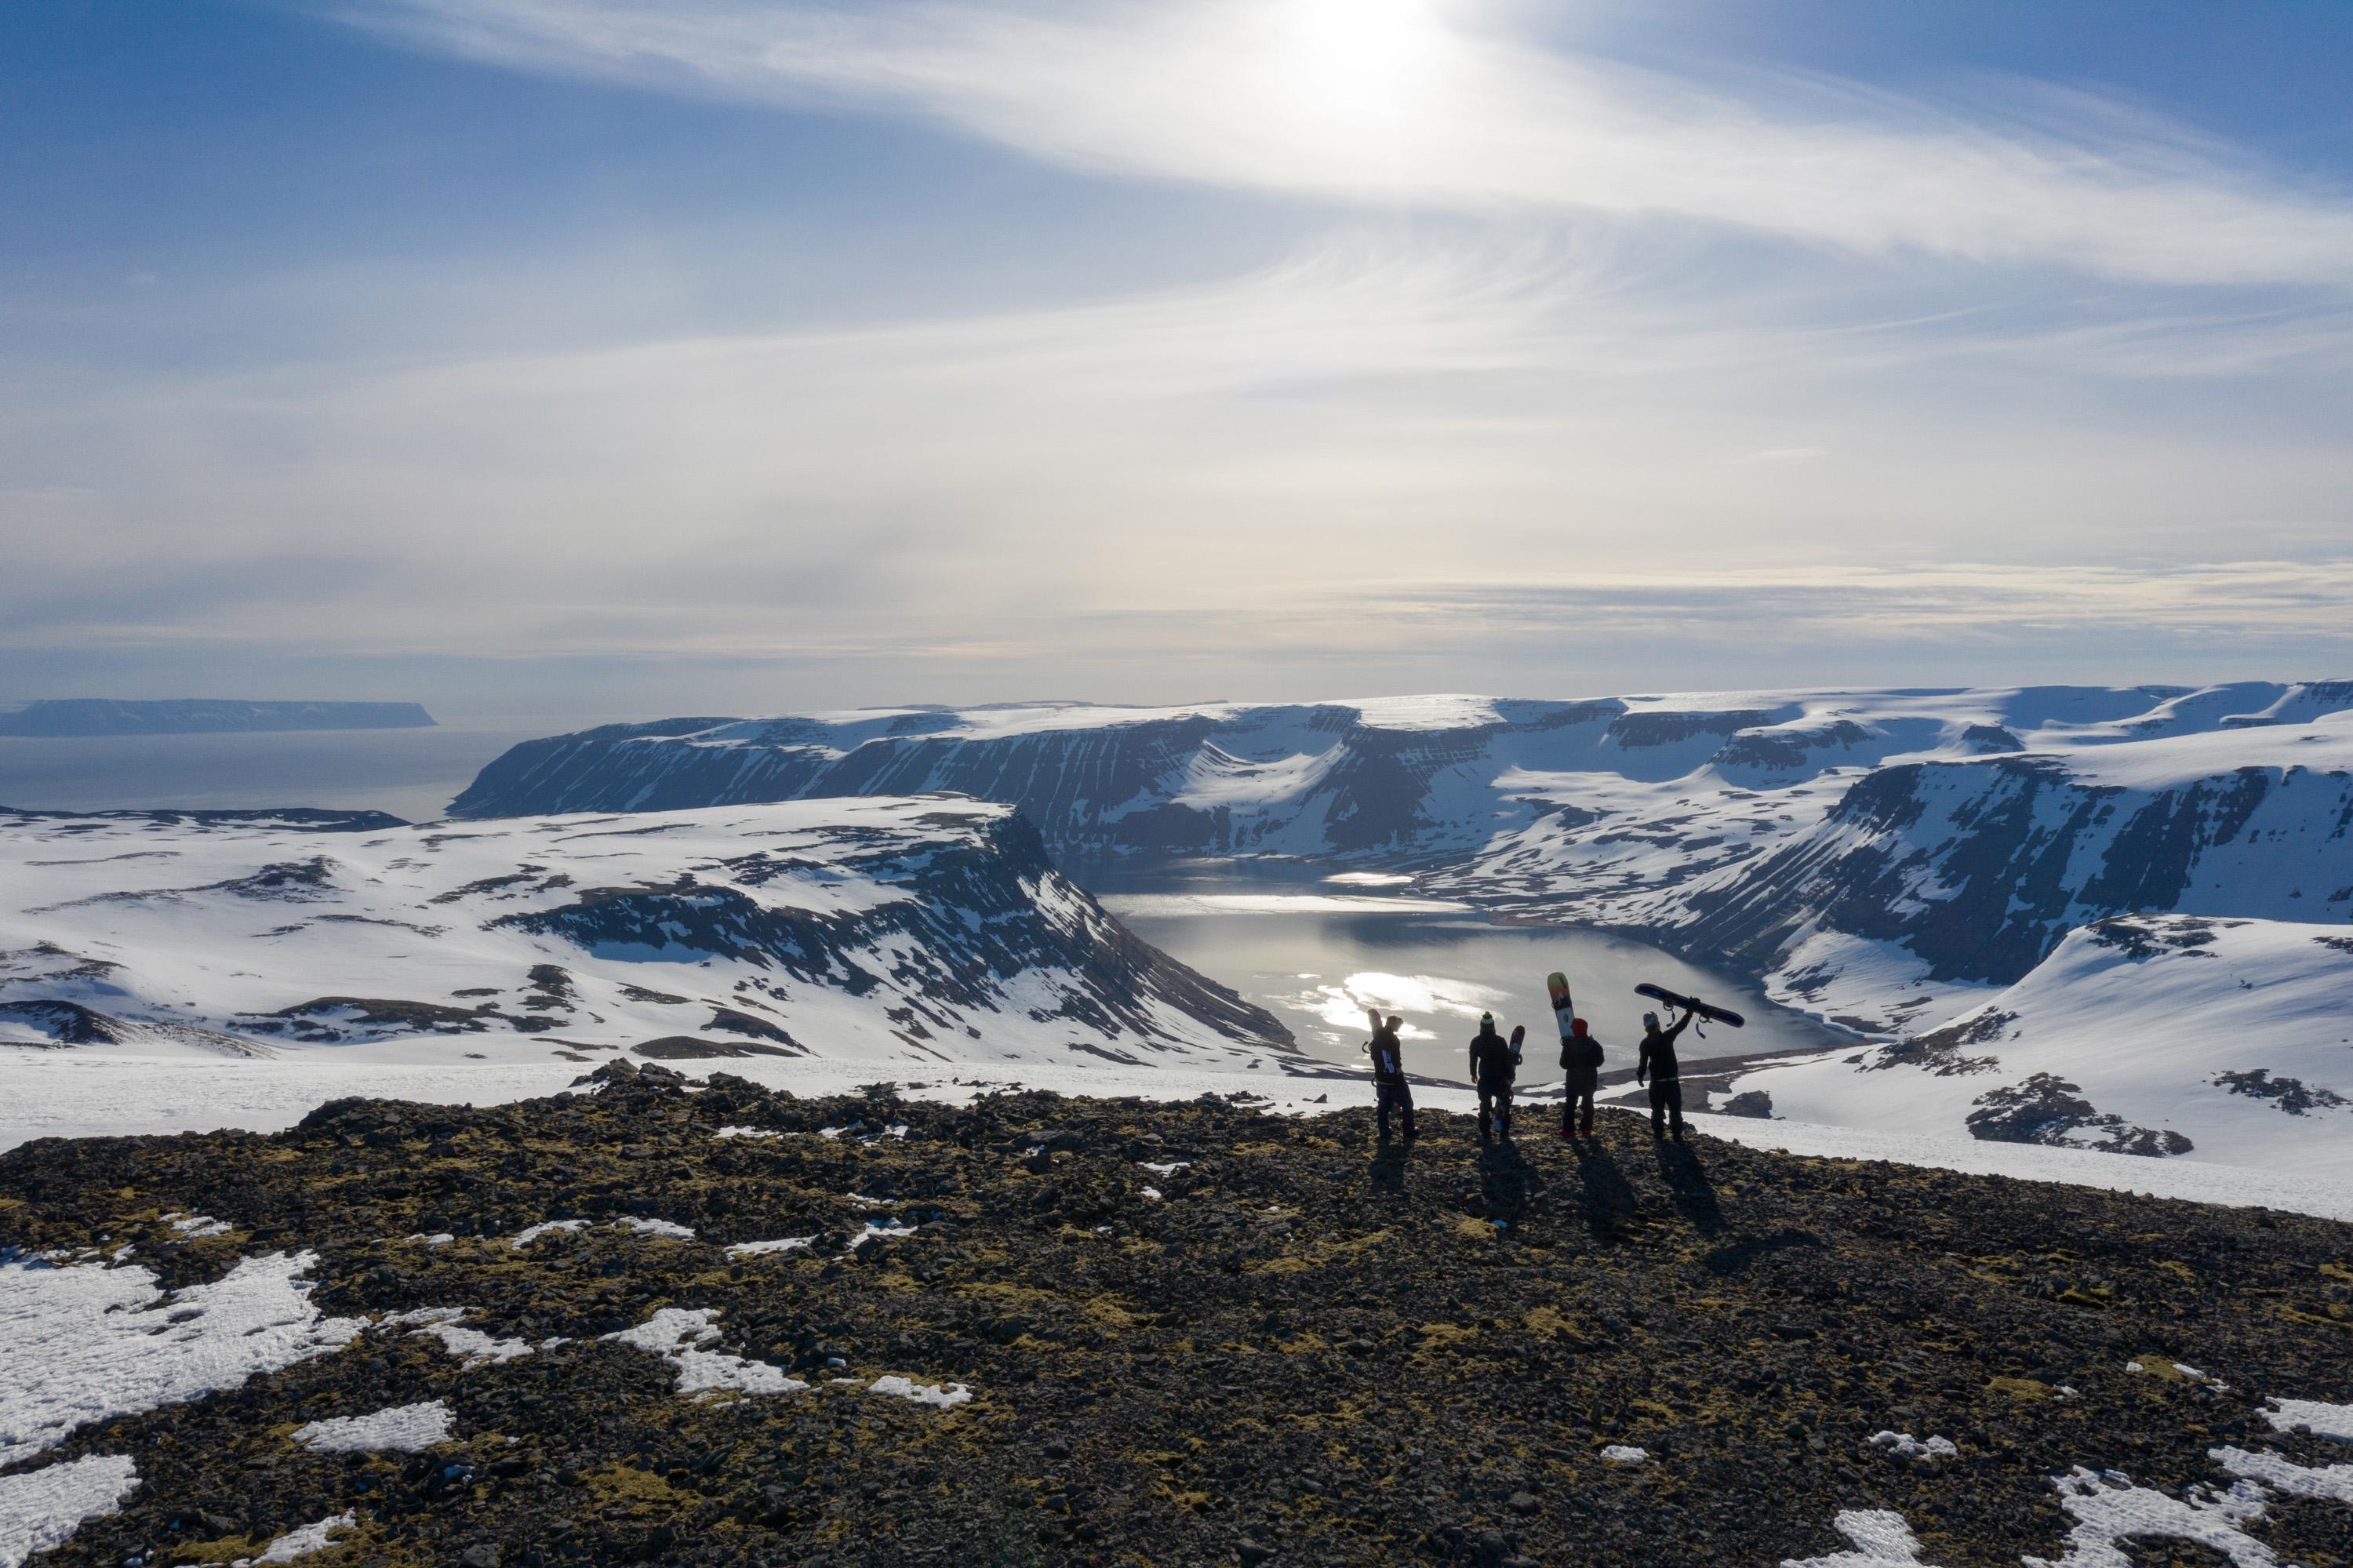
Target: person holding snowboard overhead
x: 1390, y: 1091
x: 1494, y: 1062
x: 1658, y: 1061
x: 1580, y: 1059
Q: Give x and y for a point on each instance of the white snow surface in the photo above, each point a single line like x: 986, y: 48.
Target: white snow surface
x: 1880, y: 1540
x: 403, y: 1429
x: 1625, y: 1454
x: 531, y: 1234
x: 301, y: 1543
x: 2235, y: 1034
x: 2106, y: 1514
x: 2324, y: 1420
x: 906, y: 1388
x: 471, y: 1346
x: 676, y: 1333
x: 544, y: 939
x: 41, y: 1509
x: 669, y: 1230
x: 86, y: 1343
x: 760, y: 1248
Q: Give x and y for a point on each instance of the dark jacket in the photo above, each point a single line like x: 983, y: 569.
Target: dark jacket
x: 1491, y: 1063
x: 1659, y: 1052
x: 1389, y: 1061
x: 1580, y: 1053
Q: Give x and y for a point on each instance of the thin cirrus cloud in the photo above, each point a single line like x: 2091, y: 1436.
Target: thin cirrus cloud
x: 1556, y: 452
x: 1436, y: 103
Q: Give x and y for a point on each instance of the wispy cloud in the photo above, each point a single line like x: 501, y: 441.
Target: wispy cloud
x: 1427, y: 462
x: 1436, y: 103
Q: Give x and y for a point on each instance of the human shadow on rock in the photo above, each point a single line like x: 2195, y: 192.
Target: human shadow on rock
x: 1385, y: 1169
x: 1608, y: 1203
x: 1686, y: 1179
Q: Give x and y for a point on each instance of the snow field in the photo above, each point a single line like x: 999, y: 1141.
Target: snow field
x: 403, y: 1429
x: 41, y: 1509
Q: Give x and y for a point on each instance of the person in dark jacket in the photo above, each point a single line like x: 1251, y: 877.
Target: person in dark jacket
x: 1658, y: 1061
x: 1495, y: 1062
x: 1580, y: 1059
x: 1390, y: 1091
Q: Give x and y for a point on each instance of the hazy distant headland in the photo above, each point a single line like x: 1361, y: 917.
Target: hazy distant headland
x: 70, y: 717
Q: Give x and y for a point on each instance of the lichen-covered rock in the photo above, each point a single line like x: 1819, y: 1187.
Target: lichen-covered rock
x: 990, y: 1344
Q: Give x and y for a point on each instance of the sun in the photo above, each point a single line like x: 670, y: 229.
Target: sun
x: 1358, y: 62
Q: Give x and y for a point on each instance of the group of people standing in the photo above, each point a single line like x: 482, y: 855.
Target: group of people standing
x: 1496, y: 1067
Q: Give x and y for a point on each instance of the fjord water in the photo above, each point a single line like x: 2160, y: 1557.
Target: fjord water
x: 1316, y: 948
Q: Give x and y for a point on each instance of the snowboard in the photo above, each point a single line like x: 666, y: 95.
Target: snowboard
x: 1677, y: 999
x: 1562, y: 1008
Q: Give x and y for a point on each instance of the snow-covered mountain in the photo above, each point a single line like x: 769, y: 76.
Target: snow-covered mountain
x: 1887, y: 859
x: 883, y: 929
x: 1872, y: 851
x: 2151, y: 1034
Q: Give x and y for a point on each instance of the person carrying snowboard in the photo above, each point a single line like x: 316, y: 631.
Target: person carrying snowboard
x: 1658, y: 1061
x: 1390, y: 1091
x: 1495, y: 1062
x: 1580, y: 1059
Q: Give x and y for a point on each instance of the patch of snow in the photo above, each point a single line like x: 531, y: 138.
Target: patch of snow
x: 782, y: 1244
x: 531, y: 1234
x: 403, y: 1429
x: 42, y: 1509
x: 46, y: 1508
x: 1153, y: 1193
x: 475, y: 1347
x: 197, y: 1225
x: 876, y: 1230
x: 899, y: 1387
x: 309, y: 1538
x: 2107, y: 1513
x: 89, y: 1342
x: 2323, y: 1419
x: 1624, y: 1453
x: 669, y: 1228
x: 675, y: 1334
x: 1904, y: 1445
x: 1880, y: 1540
x: 2330, y: 1483
x: 1170, y: 1169
x: 751, y: 1132
x: 438, y: 1238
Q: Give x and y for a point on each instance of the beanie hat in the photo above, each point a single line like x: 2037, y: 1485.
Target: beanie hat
x: 1576, y: 1027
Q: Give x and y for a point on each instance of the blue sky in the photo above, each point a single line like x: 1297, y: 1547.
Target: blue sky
x: 597, y: 355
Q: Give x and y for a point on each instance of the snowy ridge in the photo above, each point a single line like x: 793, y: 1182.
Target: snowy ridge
x: 927, y: 930
x: 2168, y: 1035
x: 1889, y: 861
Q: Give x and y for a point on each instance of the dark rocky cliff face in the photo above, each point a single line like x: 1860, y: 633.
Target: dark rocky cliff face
x: 1981, y: 867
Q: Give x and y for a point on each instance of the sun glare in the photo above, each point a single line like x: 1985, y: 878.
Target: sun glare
x: 1359, y: 62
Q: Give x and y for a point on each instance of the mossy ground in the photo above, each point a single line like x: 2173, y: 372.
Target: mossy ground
x: 1307, y: 1349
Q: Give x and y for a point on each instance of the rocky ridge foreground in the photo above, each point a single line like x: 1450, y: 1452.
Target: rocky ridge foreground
x: 1038, y: 1329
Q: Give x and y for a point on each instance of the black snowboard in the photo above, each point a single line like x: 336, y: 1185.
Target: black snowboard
x: 1677, y: 999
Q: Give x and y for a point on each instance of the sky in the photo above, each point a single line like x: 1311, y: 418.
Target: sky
x: 606, y: 356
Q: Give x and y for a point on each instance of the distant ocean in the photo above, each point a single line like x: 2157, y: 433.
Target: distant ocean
x: 411, y: 773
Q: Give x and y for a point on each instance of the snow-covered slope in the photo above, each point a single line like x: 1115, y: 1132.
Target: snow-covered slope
x: 879, y: 929
x: 2161, y: 1034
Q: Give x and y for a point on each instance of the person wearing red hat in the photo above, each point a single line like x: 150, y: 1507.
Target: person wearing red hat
x: 1581, y: 1058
